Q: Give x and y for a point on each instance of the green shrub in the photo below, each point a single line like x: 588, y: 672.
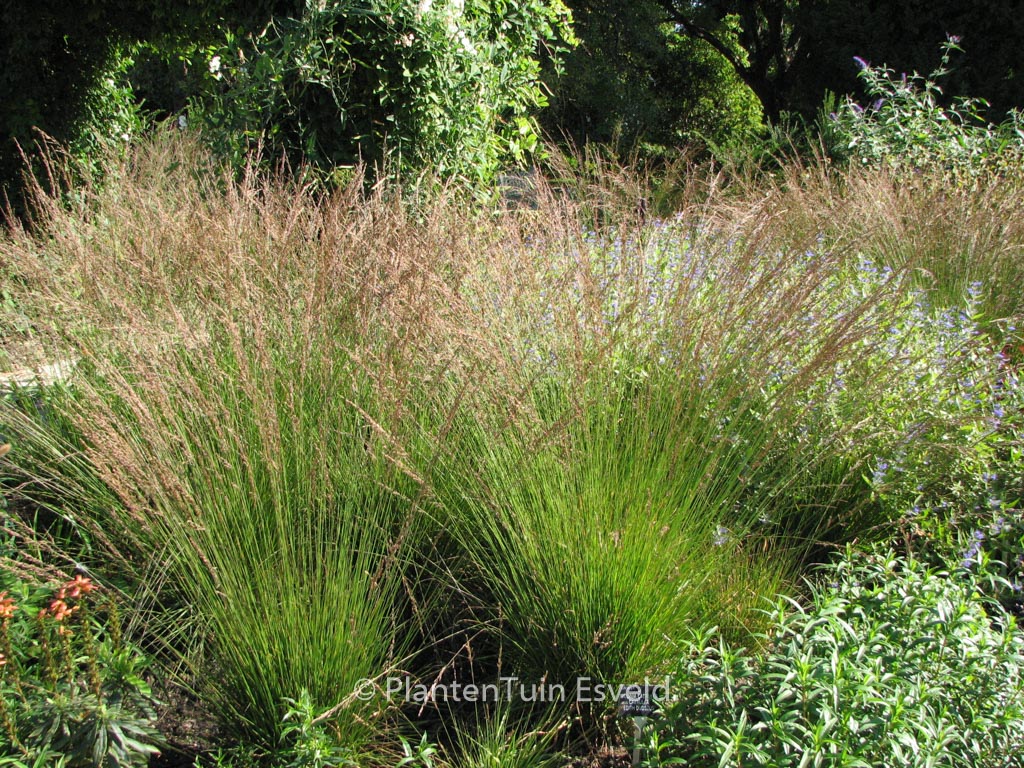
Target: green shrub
x: 64, y: 71
x: 112, y: 118
x: 447, y: 85
x: 942, y: 446
x: 890, y: 663
x: 907, y: 125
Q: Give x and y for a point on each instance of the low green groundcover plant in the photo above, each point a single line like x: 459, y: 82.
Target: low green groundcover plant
x: 892, y: 663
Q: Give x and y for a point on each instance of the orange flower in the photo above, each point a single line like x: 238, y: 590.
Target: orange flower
x: 3, y: 660
x: 7, y: 606
x: 60, y: 610
x: 78, y: 586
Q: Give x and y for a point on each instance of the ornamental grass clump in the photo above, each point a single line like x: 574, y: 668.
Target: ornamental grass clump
x: 638, y: 466
x: 247, y: 397
x: 947, y: 237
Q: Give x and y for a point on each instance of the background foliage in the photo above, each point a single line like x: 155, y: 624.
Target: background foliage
x: 670, y: 72
x: 633, y: 78
x: 449, y: 84
x: 58, y: 56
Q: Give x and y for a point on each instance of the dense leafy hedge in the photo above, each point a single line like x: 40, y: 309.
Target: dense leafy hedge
x: 449, y: 84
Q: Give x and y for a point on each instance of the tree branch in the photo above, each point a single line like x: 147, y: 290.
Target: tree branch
x: 702, y: 33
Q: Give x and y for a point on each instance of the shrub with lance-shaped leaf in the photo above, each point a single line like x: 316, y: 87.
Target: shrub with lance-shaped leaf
x: 891, y: 663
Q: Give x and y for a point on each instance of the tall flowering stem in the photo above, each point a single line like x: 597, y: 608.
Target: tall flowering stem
x: 49, y: 664
x: 7, y: 609
x: 114, y: 625
x: 8, y: 667
x: 77, y: 589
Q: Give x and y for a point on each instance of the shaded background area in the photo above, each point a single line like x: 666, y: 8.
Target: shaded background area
x: 663, y: 73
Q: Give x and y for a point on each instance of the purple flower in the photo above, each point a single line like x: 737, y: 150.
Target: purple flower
x: 955, y: 39
x: 861, y: 64
x: 877, y: 104
x: 971, y: 553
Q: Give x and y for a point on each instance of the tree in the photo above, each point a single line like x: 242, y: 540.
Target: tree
x: 759, y: 38
x: 635, y: 78
x: 789, y: 52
